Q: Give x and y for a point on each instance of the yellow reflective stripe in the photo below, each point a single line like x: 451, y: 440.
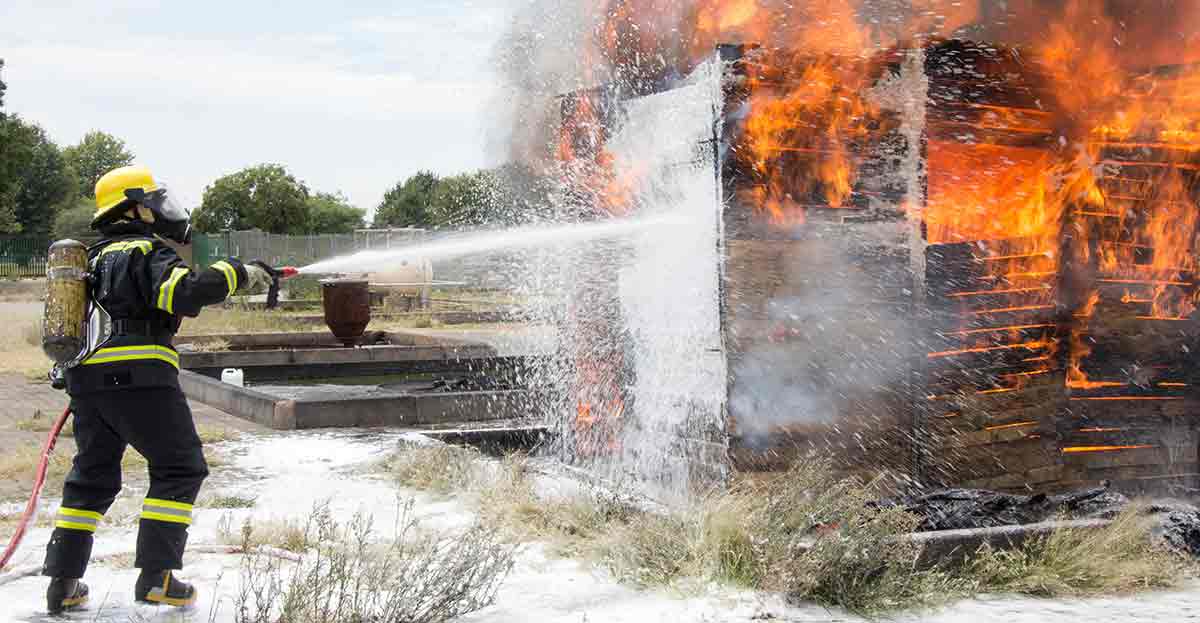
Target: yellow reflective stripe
x: 144, y: 245
x: 182, y: 506
x: 166, y: 510
x: 231, y: 279
x: 74, y: 512
x: 70, y: 525
x: 153, y: 357
x: 187, y: 521
x: 126, y: 349
x: 134, y: 353
x: 166, y: 292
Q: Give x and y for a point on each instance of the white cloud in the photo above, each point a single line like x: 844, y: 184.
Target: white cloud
x: 346, y: 108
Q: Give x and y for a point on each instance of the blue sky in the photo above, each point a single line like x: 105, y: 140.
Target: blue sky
x: 351, y: 96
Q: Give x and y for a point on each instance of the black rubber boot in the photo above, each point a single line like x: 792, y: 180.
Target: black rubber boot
x: 64, y: 594
x: 162, y: 587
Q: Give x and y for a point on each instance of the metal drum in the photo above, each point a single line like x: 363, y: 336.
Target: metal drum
x: 347, y: 305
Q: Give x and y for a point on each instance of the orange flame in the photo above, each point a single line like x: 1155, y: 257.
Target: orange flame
x: 799, y: 130
x: 1089, y: 449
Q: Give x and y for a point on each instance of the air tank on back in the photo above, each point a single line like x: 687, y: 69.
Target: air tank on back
x: 64, y: 331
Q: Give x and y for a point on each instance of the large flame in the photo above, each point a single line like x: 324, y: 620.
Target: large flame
x: 1079, y: 202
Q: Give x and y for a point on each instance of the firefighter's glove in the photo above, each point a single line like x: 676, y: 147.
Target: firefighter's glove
x: 259, y: 276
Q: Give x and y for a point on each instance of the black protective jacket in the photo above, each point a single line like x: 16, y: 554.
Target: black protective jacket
x: 146, y: 288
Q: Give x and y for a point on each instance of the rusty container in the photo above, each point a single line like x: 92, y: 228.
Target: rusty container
x: 347, y: 305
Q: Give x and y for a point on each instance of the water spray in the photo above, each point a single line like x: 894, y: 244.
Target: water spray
x: 483, y: 242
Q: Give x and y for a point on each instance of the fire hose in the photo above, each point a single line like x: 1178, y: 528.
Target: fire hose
x: 39, y: 481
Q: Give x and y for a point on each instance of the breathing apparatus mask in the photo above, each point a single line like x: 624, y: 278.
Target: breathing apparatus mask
x: 168, y: 219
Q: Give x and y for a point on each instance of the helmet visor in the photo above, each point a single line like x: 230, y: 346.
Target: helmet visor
x: 164, y: 206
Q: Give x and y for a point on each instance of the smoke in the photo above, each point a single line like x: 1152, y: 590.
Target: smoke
x: 537, y: 60
x: 821, y: 328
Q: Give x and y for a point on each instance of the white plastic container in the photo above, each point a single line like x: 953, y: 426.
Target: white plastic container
x: 233, y: 376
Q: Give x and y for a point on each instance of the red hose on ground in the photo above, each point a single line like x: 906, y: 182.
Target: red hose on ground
x: 38, y: 482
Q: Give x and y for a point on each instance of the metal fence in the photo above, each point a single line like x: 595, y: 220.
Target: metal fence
x: 23, y: 256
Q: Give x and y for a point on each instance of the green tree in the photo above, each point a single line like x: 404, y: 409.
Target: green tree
x: 97, y: 154
x: 8, y: 217
x: 35, y: 179
x: 265, y: 197
x: 464, y: 200
x: 331, y: 213
x: 75, y: 220
x: 408, y: 203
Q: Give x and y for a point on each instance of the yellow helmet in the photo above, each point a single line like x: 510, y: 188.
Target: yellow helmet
x: 112, y: 187
x: 124, y: 188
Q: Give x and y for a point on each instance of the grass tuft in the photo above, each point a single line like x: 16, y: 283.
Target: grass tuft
x: 228, y: 501
x: 1119, y: 558
x: 438, y: 468
x: 217, y: 435
x: 289, y: 535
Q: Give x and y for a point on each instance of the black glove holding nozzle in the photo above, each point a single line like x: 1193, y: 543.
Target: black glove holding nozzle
x: 261, y: 273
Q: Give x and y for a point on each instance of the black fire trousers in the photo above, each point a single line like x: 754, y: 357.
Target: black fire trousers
x: 157, y: 422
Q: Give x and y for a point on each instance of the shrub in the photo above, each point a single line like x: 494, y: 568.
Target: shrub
x: 350, y: 577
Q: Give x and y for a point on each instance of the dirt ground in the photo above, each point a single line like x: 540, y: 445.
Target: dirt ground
x: 26, y: 410
x: 28, y: 405
x: 22, y: 290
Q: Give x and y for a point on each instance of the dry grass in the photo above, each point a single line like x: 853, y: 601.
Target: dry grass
x: 211, y: 346
x: 804, y: 533
x: 1119, y: 558
x: 22, y: 291
x: 227, y: 501
x: 289, y: 535
x: 20, y: 464
x: 41, y: 422
x: 21, y: 347
x: 438, y: 468
x: 230, y: 320
x: 210, y: 434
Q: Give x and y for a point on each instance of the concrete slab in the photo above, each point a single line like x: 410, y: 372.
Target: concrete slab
x: 262, y: 409
x: 390, y: 409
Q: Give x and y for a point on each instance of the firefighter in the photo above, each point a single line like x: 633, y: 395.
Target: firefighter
x: 126, y: 392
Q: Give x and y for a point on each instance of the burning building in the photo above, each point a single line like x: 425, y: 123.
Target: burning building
x: 959, y: 245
